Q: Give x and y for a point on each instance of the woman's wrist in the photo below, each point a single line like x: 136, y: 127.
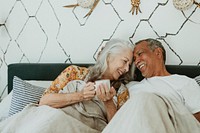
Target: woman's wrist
x: 80, y: 96
x: 72, y: 98
x: 109, y: 103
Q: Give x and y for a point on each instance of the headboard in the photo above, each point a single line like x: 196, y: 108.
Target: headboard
x: 49, y: 71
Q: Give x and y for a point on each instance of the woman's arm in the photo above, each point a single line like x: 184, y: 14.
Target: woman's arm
x: 59, y: 100
x: 51, y: 96
x: 68, y: 74
x: 106, y: 95
x: 111, y: 109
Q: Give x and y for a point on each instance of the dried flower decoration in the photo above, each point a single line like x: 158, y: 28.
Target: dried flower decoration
x: 135, y: 6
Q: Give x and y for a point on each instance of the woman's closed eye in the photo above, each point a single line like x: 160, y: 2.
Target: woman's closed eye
x: 125, y: 61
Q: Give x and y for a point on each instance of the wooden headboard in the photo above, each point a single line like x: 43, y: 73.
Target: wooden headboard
x: 49, y: 71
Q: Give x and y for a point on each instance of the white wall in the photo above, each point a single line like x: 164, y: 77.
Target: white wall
x: 38, y: 31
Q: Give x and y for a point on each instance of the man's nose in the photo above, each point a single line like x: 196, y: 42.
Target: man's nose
x: 136, y: 61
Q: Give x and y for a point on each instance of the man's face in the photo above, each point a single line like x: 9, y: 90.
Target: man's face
x: 145, y: 59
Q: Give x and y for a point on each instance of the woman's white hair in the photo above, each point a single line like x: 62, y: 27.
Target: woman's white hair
x: 112, y: 47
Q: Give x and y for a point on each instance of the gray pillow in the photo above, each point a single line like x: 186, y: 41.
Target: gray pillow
x: 197, y: 78
x: 23, y: 94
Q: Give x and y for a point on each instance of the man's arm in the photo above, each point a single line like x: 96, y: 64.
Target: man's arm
x: 197, y: 116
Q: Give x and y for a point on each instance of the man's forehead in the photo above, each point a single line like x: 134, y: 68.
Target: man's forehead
x: 140, y: 46
x: 142, y: 43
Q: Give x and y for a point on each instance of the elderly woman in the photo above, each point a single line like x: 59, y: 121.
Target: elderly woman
x: 72, y: 103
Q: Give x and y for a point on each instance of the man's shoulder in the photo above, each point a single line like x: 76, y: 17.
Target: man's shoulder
x: 181, y: 76
x: 182, y: 79
x: 172, y: 77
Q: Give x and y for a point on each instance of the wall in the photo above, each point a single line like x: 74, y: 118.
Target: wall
x: 41, y: 31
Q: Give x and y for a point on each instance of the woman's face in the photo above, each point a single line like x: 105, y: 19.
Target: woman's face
x: 118, y: 64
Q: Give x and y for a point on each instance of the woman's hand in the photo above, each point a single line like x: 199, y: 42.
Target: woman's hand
x: 88, y: 91
x: 104, y: 93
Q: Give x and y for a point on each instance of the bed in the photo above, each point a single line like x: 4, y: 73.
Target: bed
x: 43, y: 72
x: 49, y: 71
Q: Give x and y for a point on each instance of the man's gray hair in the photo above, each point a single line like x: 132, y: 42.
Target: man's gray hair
x: 153, y: 44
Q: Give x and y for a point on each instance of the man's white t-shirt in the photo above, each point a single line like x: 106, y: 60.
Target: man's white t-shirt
x: 178, y: 88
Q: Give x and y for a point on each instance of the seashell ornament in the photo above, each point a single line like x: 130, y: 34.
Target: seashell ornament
x: 183, y: 4
x: 86, y: 3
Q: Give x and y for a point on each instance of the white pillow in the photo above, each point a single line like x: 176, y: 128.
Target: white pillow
x: 5, y: 106
x: 40, y: 83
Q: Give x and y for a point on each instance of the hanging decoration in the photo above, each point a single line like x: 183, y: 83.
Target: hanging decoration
x: 184, y: 4
x: 91, y: 4
x: 135, y: 6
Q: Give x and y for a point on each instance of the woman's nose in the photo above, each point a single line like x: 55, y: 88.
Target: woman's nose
x: 126, y: 67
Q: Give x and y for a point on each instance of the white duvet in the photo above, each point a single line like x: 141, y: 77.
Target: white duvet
x: 83, y: 117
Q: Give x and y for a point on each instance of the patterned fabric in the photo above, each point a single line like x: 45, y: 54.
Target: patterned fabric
x: 123, y: 93
x: 122, y: 96
x: 70, y: 73
x: 23, y: 94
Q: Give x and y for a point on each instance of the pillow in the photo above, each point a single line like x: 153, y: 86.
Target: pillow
x: 197, y: 78
x: 23, y: 94
x: 5, y: 106
x: 41, y: 83
x: 6, y: 102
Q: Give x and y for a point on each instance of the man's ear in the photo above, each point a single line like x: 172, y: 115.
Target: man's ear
x: 158, y: 52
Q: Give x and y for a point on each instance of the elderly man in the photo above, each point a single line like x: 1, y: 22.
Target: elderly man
x: 161, y: 102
